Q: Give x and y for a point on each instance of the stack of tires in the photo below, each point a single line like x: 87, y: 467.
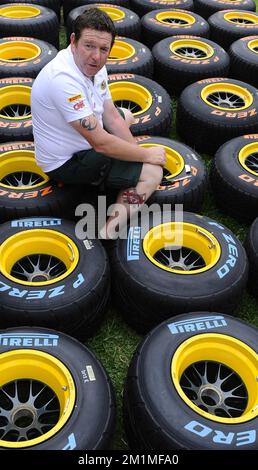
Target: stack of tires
x: 52, y: 284
x: 178, y: 276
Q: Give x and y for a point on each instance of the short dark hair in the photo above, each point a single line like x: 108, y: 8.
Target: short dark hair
x: 94, y: 18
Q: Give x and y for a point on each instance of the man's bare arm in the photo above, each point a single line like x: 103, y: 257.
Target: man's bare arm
x: 114, y: 146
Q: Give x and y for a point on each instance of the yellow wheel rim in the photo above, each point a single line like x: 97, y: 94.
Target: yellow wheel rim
x: 248, y: 158
x: 137, y: 96
x: 199, y: 50
x: 253, y: 45
x: 174, y: 161
x: 20, y: 166
x: 27, y: 368
x: 175, y: 18
x: 15, y: 95
x: 18, y: 51
x: 238, y: 17
x: 38, y: 257
x: 227, y: 96
x: 114, y: 13
x: 19, y: 11
x: 181, y: 248
x: 211, y: 357
x: 121, y: 50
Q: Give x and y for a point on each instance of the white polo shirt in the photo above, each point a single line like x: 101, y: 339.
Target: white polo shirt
x: 62, y: 94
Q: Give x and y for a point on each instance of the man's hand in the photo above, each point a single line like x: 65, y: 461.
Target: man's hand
x: 155, y: 155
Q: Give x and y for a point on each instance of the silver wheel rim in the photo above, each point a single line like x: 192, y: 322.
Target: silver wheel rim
x: 215, y: 388
x: 38, y: 268
x: 131, y: 105
x: 191, y: 52
x: 16, y: 111
x: 226, y: 100
x: 252, y: 162
x: 22, y: 178
x: 182, y: 259
x: 28, y: 409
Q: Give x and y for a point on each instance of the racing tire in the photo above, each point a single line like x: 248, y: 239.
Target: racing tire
x: 50, y: 278
x: 141, y: 7
x: 243, y: 60
x: 184, y: 175
x: 251, y: 246
x: 29, y: 20
x: 147, y: 100
x: 60, y: 385
x: 212, y: 111
x: 54, y: 5
x: 24, y: 57
x: 15, y: 111
x: 126, y: 22
x: 183, y: 60
x: 206, y: 8
x: 229, y: 25
x: 165, y: 267
x: 25, y: 190
x: 159, y: 24
x: 69, y: 5
x: 180, y: 392
x: 234, y: 177
x: 130, y: 56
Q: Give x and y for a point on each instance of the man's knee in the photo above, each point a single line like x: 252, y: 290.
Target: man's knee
x: 128, y: 116
x: 152, y: 174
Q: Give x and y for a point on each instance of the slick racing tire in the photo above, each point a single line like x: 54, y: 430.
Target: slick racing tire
x: 29, y: 20
x: 71, y: 4
x: 206, y: 8
x: 15, y: 111
x: 49, y: 277
x: 60, y: 385
x: 54, y: 5
x: 25, y: 190
x: 212, y: 111
x: 141, y: 7
x: 234, y: 177
x: 244, y: 60
x: 184, y: 174
x: 159, y: 24
x: 229, y: 25
x: 130, y: 56
x: 126, y: 22
x: 165, y: 267
x: 147, y: 100
x: 183, y: 60
x: 192, y: 385
x: 24, y: 57
x: 251, y: 246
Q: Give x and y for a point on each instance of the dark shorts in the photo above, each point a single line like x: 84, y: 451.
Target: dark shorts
x: 92, y: 168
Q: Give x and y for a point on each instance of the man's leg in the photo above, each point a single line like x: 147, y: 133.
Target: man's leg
x: 132, y: 199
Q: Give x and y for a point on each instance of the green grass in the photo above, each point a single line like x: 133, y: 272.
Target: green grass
x: 115, y: 343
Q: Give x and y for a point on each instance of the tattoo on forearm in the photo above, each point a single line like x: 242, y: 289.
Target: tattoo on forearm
x: 132, y: 197
x: 89, y: 123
